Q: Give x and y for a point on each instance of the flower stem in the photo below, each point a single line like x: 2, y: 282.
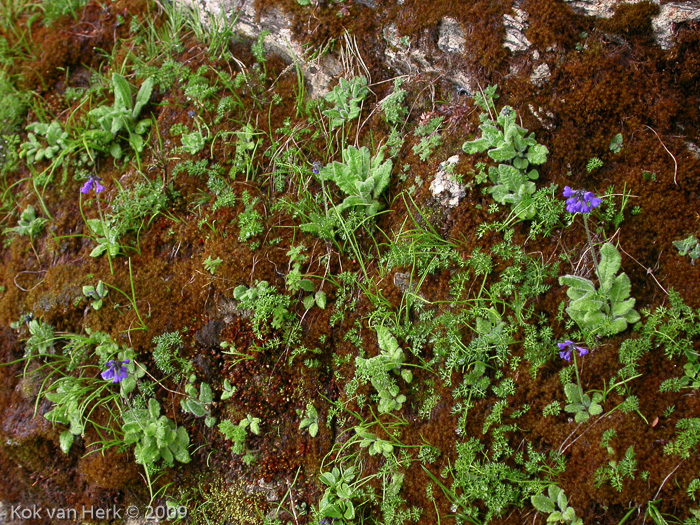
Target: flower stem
x: 578, y: 377
x: 106, y: 232
x: 590, y: 244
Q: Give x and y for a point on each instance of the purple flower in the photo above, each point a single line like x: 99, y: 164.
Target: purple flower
x: 567, y: 347
x: 116, y: 371
x: 316, y: 168
x: 93, y: 180
x: 580, y: 201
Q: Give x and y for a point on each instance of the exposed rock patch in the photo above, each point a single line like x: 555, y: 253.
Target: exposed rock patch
x: 451, y: 36
x: 598, y: 8
x: 540, y: 75
x: 405, y: 58
x: 516, y: 26
x: 669, y: 17
x: 444, y: 187
x: 664, y: 24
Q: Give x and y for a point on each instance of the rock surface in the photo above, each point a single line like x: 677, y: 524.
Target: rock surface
x: 444, y: 187
x: 451, y: 39
x: 423, y: 55
x: 664, y: 24
x: 516, y: 27
x: 669, y: 17
x: 598, y: 8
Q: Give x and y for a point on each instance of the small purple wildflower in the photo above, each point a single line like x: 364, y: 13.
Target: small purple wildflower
x: 93, y: 180
x: 316, y: 168
x: 116, y: 371
x: 580, y: 201
x: 567, y: 347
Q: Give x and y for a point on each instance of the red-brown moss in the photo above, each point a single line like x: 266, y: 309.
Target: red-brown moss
x: 553, y: 23
x: 631, y: 20
x: 610, y: 85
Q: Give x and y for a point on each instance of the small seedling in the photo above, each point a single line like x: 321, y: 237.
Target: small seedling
x: 374, y: 444
x: 121, y: 116
x: 295, y: 281
x: 430, y: 138
x: 269, y: 308
x: 593, y: 164
x: 193, y: 143
x: 336, y: 502
x: 42, y: 339
x: 106, y: 237
x: 29, y: 224
x: 211, y: 265
x: 690, y: 247
x: 580, y: 404
x: 199, y: 404
x: 228, y: 390
x: 515, y: 151
x: 614, y: 472
x: 616, y: 143
x: 346, y: 98
x: 557, y: 506
x: 96, y: 294
x: 238, y: 434
x: 165, y: 355
x: 310, y: 420
x: 376, y: 371
x: 250, y: 220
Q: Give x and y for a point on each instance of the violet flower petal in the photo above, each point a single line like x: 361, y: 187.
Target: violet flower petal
x: 580, y: 201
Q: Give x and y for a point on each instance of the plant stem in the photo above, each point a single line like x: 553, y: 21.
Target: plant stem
x: 106, y: 232
x: 578, y: 377
x: 590, y: 244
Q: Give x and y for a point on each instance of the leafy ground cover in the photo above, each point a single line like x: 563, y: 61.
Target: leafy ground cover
x: 240, y: 303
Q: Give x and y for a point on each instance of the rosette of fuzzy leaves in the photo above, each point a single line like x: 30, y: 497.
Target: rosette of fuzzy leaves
x: 346, y: 98
x: 155, y: 436
x: 516, y: 151
x: 377, y: 370
x: 606, y: 310
x: 360, y: 177
x: 123, y: 115
x: 507, y: 142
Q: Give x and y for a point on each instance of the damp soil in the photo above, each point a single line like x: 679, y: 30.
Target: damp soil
x: 615, y: 80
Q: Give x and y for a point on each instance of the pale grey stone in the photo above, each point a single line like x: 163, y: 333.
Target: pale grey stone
x: 402, y: 280
x: 516, y: 25
x: 249, y: 23
x: 598, y: 8
x: 450, y: 36
x: 413, y: 60
x: 665, y: 22
x: 444, y: 188
x: 540, y: 75
x: 401, y: 58
x: 545, y: 117
x: 694, y: 149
